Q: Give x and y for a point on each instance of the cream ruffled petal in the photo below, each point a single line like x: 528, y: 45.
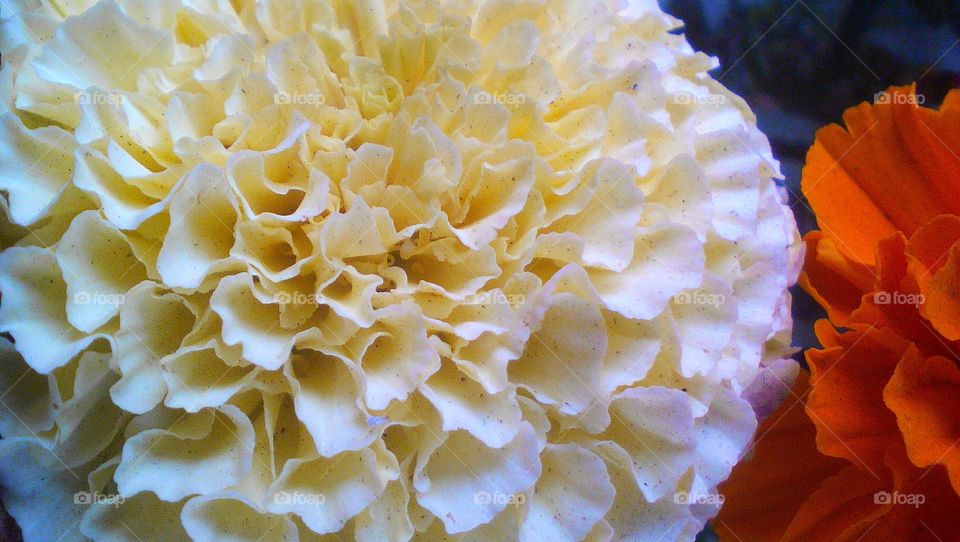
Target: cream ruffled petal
x: 633, y: 517
x: 361, y: 231
x: 632, y: 349
x: 89, y: 420
x: 464, y: 404
x: 27, y: 394
x: 34, y: 297
x: 704, y: 319
x: 395, y: 356
x: 185, y: 459
x: 326, y: 492
x: 608, y: 223
x: 387, y: 518
x: 465, y: 484
x: 196, y: 378
x: 95, y: 48
x: 755, y: 287
x: 204, y: 213
x: 35, y: 166
x: 99, y: 267
x: 493, y: 194
x: 655, y: 427
x: 142, y: 517
x: 326, y: 402
x: 246, y: 322
x: 231, y: 517
x: 124, y: 204
x: 563, y: 361
x: 573, y: 495
x: 503, y: 527
x: 730, y: 424
x: 671, y: 253
x: 153, y: 324
x: 683, y: 192
x: 731, y: 166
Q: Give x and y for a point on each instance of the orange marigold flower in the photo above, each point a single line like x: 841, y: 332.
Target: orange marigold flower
x: 868, y: 445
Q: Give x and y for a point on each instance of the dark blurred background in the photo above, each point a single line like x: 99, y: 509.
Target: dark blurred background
x: 801, y: 63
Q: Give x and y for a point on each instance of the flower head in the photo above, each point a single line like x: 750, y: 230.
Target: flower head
x: 503, y: 269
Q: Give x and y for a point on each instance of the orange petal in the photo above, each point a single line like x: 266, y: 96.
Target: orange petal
x: 843, y: 509
x: 917, y: 505
x: 891, y: 263
x: 926, y: 507
x: 846, y: 403
x: 895, y: 301
x: 843, y: 209
x: 931, y: 243
x: 785, y: 467
x: 942, y: 303
x: 835, y: 281
x: 932, y: 138
x: 863, y: 182
x: 924, y: 394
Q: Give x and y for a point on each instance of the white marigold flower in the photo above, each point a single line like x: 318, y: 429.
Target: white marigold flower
x: 490, y: 270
